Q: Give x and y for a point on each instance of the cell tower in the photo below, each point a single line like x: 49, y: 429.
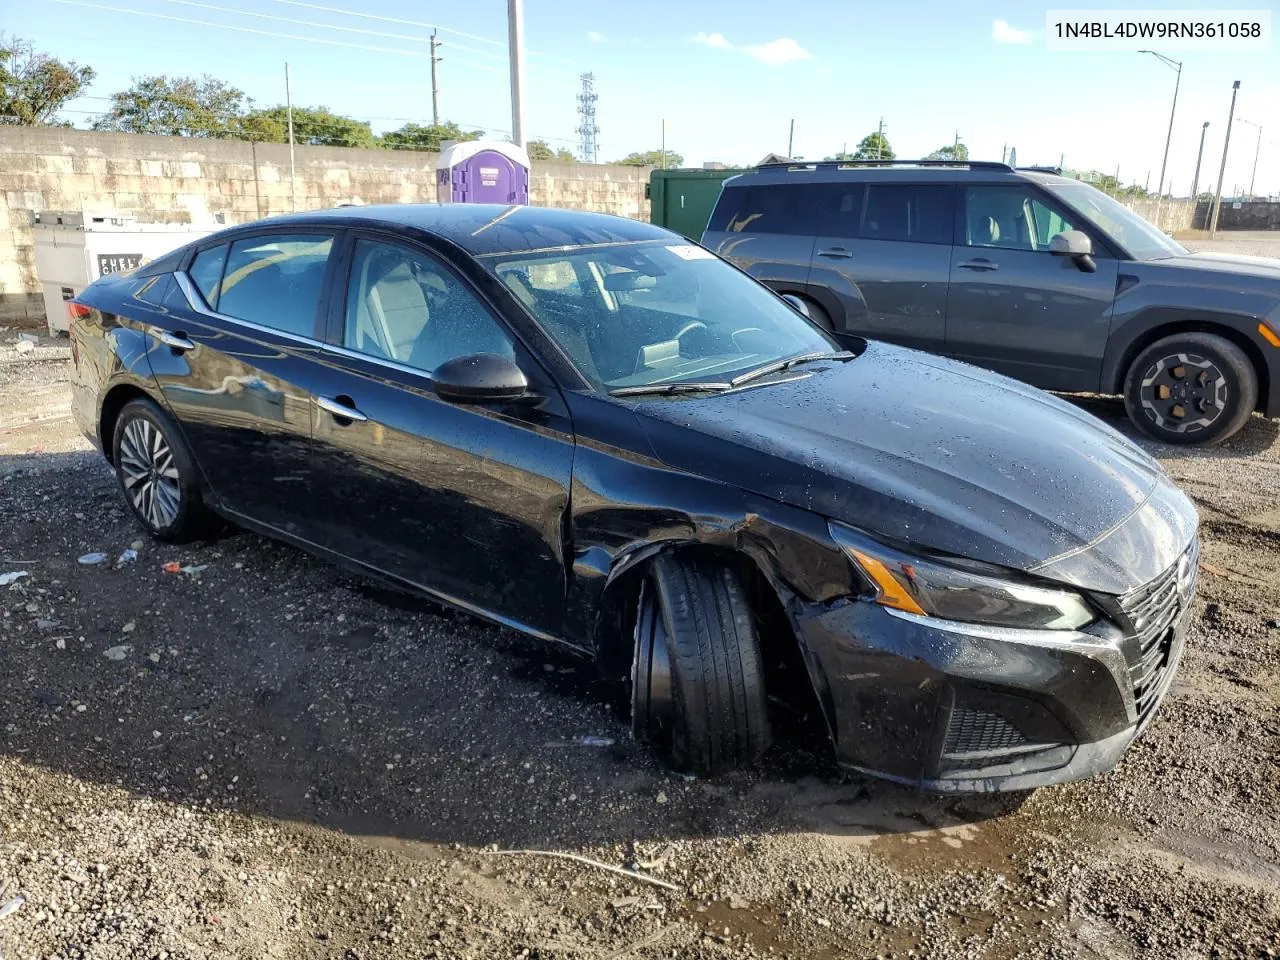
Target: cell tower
x: 588, y: 152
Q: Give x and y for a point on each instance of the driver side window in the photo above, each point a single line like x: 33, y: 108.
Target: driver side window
x: 403, y: 305
x: 1010, y: 218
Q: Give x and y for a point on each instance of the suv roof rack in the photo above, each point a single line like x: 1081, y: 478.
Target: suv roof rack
x: 839, y: 164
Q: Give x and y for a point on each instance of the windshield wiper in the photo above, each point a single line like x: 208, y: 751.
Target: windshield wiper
x: 677, y: 387
x: 789, y: 362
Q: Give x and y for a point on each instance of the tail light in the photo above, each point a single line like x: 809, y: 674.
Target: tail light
x: 77, y: 311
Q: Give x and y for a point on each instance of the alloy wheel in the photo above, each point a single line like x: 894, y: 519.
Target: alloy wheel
x: 149, y: 473
x: 1184, y: 393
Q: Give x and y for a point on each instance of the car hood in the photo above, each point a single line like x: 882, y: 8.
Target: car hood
x: 1234, y: 265
x: 939, y: 455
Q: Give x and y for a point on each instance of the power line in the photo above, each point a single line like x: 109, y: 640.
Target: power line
x: 328, y: 26
x: 262, y: 33
x: 405, y: 23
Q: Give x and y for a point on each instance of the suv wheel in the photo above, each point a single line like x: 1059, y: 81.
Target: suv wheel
x: 697, y: 680
x: 1191, y: 388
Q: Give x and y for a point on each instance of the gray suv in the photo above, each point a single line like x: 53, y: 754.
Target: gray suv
x: 1024, y: 272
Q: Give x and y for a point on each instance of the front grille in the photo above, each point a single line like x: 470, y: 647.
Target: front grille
x: 1153, y: 611
x: 976, y: 731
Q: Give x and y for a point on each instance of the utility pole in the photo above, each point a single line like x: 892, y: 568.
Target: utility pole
x: 515, y: 40
x: 435, y: 82
x: 1256, y: 151
x: 1222, y: 170
x: 1195, y: 182
x: 293, y: 173
x: 1176, y: 66
x: 664, y: 143
x: 791, y: 138
x: 879, y: 137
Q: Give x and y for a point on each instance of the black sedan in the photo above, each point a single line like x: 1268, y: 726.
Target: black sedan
x: 592, y: 431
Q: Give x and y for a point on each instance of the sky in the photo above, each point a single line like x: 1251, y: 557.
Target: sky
x: 724, y: 78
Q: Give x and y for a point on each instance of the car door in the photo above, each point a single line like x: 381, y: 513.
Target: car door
x: 884, y: 259
x: 464, y: 500
x: 236, y: 358
x: 1016, y: 308
x: 767, y: 229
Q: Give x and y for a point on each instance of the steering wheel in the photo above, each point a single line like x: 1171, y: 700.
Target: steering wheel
x: 689, y: 327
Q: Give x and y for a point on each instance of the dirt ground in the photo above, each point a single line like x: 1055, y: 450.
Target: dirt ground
x: 266, y: 758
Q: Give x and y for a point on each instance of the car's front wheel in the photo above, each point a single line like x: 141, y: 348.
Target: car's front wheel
x: 1191, y: 388
x: 697, y: 680
x: 157, y: 474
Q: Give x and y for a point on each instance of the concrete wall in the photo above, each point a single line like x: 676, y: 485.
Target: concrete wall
x: 1170, y: 216
x: 181, y: 180
x: 1247, y: 215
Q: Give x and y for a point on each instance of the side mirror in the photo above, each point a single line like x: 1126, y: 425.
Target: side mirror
x: 480, y: 378
x: 798, y: 305
x: 1076, y: 245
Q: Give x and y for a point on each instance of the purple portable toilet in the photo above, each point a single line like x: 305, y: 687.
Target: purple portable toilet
x: 483, y: 171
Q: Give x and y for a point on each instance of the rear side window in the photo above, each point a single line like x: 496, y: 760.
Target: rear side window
x: 908, y: 212
x: 275, y: 281
x: 206, y: 272
x: 789, y: 209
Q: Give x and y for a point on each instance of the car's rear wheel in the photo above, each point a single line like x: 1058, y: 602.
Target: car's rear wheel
x: 697, y: 681
x: 1191, y: 388
x: 157, y: 474
x: 819, y: 315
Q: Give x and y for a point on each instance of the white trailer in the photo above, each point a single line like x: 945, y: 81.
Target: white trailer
x: 74, y: 249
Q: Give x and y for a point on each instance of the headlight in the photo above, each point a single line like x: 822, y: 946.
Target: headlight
x: 933, y: 589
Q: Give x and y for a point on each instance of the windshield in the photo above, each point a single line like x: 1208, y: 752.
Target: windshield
x: 656, y: 312
x: 1140, y: 239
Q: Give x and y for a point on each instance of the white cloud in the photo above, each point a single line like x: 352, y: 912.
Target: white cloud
x: 716, y: 41
x: 595, y: 36
x: 1002, y: 32
x: 780, y: 51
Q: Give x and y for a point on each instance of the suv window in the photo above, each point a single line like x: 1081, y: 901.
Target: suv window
x: 780, y: 208
x: 206, y: 272
x: 403, y: 305
x: 275, y: 280
x: 914, y: 212
x: 1013, y: 218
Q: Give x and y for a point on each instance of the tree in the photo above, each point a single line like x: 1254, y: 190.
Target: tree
x: 952, y: 151
x: 541, y: 150
x: 413, y: 136
x: 841, y: 155
x: 652, y: 158
x: 874, y: 146
x: 566, y: 156
x: 176, y: 107
x: 34, y: 86
x: 316, y: 126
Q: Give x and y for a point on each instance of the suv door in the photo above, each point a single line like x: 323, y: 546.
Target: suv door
x: 767, y: 229
x: 1018, y: 309
x: 463, y: 500
x: 881, y: 266
x: 237, y: 365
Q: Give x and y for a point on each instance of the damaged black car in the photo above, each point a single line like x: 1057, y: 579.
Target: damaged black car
x: 592, y: 431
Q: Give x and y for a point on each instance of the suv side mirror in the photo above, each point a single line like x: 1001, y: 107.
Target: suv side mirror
x: 480, y: 378
x: 1076, y: 245
x: 797, y: 304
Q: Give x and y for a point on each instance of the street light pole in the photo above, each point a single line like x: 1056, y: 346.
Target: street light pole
x: 1176, y: 66
x: 1195, y: 183
x: 1256, y: 151
x: 515, y: 40
x: 1222, y: 170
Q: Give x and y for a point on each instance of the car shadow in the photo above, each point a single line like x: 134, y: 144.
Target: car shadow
x: 260, y: 680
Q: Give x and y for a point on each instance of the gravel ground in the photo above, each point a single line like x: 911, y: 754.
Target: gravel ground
x: 266, y: 758
x: 1252, y: 243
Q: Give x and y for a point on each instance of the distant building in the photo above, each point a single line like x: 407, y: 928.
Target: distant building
x: 715, y: 165
x: 774, y: 158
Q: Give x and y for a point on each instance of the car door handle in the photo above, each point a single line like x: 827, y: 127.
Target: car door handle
x: 340, y: 410
x: 836, y: 253
x: 981, y: 263
x: 175, y: 340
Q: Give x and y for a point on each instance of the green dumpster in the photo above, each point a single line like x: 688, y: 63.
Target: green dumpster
x: 682, y: 200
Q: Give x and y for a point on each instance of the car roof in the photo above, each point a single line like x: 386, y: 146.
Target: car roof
x: 487, y: 228
x: 833, y: 172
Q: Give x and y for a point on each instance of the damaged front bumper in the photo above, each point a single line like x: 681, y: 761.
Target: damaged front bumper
x: 961, y: 707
